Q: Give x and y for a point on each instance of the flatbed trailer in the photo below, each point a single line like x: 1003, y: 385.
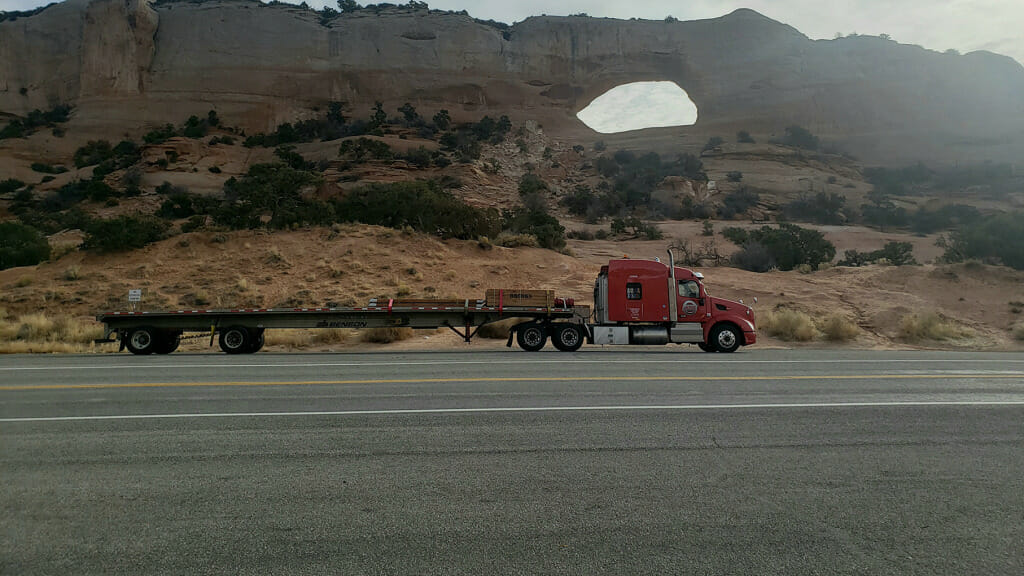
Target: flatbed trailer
x: 241, y: 330
x: 636, y: 302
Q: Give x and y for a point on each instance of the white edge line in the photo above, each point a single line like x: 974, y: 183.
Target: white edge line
x: 400, y: 412
x: 472, y: 362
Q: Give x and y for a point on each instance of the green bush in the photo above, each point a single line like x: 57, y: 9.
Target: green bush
x: 421, y: 205
x: 273, y: 190
x: 895, y: 253
x: 800, y: 137
x: 160, y: 135
x: 994, y: 238
x: 713, y: 142
x: 94, y: 152
x: 21, y: 245
x: 785, y: 247
x: 744, y: 137
x: 47, y: 168
x: 821, y: 208
x: 10, y: 185
x: 738, y: 202
x: 123, y: 233
x: 734, y: 176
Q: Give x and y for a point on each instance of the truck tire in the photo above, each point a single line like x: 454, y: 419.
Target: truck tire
x: 531, y: 337
x: 257, y: 342
x: 142, y: 341
x: 707, y: 347
x: 726, y: 338
x: 235, y: 340
x: 168, y: 342
x: 567, y: 337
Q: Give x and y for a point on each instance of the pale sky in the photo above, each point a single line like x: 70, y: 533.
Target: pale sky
x: 966, y: 25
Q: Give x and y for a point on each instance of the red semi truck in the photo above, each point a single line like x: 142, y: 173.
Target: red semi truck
x: 636, y: 302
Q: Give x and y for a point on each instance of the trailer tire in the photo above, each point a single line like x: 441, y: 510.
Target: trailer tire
x: 257, y: 342
x: 531, y: 337
x: 726, y: 338
x: 168, y: 342
x: 707, y: 346
x: 235, y: 340
x: 567, y: 337
x: 142, y: 341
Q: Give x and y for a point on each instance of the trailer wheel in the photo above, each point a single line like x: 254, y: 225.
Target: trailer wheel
x: 531, y: 337
x: 235, y: 340
x: 567, y: 338
x: 142, y: 340
x: 257, y: 342
x: 707, y: 346
x: 168, y: 342
x: 726, y: 338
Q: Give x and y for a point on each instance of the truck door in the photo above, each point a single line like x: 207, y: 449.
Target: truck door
x: 691, y: 303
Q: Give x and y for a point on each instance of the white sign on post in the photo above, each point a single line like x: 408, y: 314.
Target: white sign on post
x: 135, y: 295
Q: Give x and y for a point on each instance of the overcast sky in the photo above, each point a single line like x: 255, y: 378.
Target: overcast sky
x: 996, y: 25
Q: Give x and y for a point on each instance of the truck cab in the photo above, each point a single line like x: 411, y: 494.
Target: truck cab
x: 648, y: 302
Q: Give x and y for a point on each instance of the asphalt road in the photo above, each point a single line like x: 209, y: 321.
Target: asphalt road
x: 636, y: 461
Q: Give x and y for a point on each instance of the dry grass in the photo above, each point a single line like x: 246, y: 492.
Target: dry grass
x: 23, y: 282
x: 789, y: 325
x: 385, y: 335
x: 516, y: 240
x: 930, y: 326
x: 39, y: 333
x: 1018, y: 333
x: 838, y: 328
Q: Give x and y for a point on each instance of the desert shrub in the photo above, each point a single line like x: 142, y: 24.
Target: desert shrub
x: 800, y: 137
x: 183, y: 204
x: 21, y: 245
x: 997, y: 238
x: 421, y: 205
x: 533, y: 218
x: 895, y: 253
x: 1018, y: 333
x: 734, y: 176
x: 744, y: 137
x: 930, y: 326
x: 363, y: 149
x: 738, y: 202
x: 160, y: 135
x: 579, y: 201
x: 10, y: 185
x: 274, y: 191
x: 385, y: 335
x: 464, y: 141
x: 194, y: 223
x: 785, y: 247
x: 713, y: 142
x: 736, y: 235
x: 822, y: 208
x: 48, y: 168
x: 509, y: 240
x: 928, y: 221
x: 36, y: 119
x: 580, y: 235
x: 123, y: 233
x: 94, y: 152
x: 787, y: 324
x: 838, y: 328
x: 530, y: 183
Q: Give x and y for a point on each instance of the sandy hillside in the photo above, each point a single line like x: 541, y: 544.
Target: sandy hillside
x: 349, y: 265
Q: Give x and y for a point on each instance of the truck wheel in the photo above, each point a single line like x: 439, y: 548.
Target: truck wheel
x: 707, y: 347
x: 168, y: 342
x: 567, y: 338
x: 143, y: 340
x: 726, y: 338
x: 257, y: 342
x: 235, y: 340
x: 531, y: 338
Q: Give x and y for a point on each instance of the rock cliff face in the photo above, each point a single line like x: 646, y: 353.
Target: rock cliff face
x: 128, y: 63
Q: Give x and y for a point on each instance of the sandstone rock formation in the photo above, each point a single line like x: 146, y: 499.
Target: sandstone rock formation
x: 127, y: 63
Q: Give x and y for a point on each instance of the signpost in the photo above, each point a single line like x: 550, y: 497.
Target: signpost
x: 134, y: 297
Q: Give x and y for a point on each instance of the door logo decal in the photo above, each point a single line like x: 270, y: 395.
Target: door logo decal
x: 689, y: 308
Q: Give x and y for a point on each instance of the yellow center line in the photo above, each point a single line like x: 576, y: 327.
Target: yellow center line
x: 517, y: 379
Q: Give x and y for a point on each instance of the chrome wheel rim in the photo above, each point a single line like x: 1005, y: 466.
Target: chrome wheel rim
x: 726, y: 339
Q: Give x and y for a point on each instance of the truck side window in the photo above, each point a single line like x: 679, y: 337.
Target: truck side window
x: 688, y: 289
x: 633, y: 291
